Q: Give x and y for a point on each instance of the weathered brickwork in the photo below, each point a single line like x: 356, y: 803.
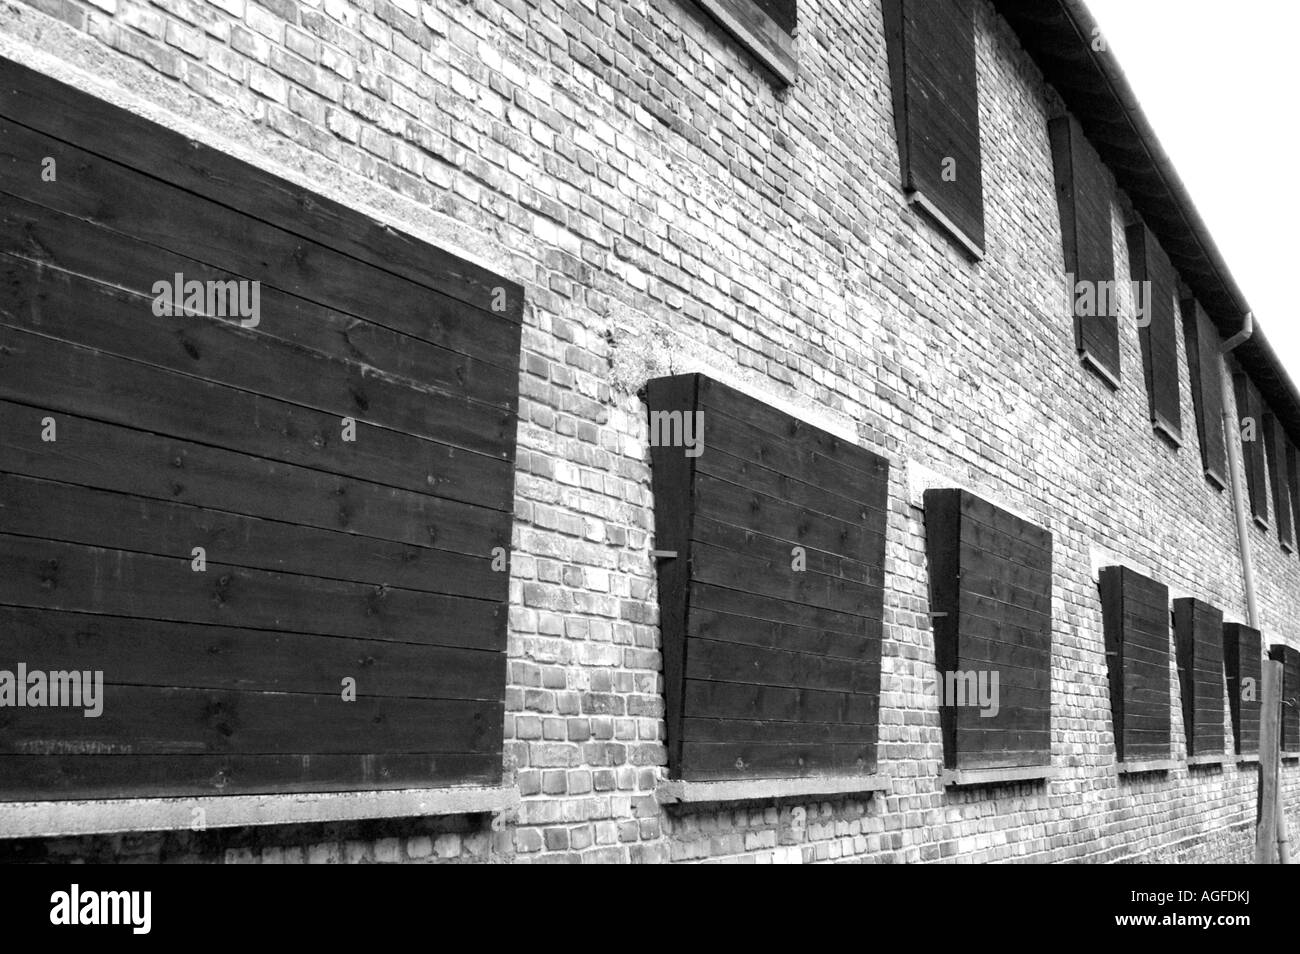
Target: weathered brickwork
x: 668, y: 209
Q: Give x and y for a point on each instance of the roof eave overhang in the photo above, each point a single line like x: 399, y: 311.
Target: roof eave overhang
x: 1060, y: 36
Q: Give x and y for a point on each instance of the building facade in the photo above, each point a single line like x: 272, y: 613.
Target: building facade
x: 759, y: 195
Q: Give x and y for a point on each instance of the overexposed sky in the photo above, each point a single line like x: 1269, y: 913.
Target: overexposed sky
x: 1219, y: 82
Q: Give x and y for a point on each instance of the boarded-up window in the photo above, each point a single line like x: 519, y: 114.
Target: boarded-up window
x: 991, y: 603
x: 1206, y: 368
x: 1293, y: 482
x: 1157, y: 328
x: 1198, y: 632
x: 936, y: 112
x: 771, y: 536
x: 1254, y: 454
x: 763, y: 27
x: 1242, y: 661
x: 268, y: 516
x: 1135, y: 613
x: 1083, y: 202
x: 1275, y: 448
x: 1289, y: 657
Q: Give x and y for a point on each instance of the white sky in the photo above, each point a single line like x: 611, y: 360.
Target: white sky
x: 1219, y: 82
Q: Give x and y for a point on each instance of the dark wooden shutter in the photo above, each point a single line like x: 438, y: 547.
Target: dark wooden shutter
x: 1198, y: 631
x: 1135, y: 612
x: 1242, y: 661
x: 1250, y: 420
x: 931, y: 48
x: 1293, y: 482
x: 784, y: 13
x: 1083, y: 202
x: 1275, y: 448
x: 1289, y: 657
x: 326, y: 559
x: 764, y: 28
x: 1206, y: 367
x: 769, y: 671
x: 991, y: 603
x: 1159, y: 337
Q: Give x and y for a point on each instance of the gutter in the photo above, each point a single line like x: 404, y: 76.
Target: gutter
x: 1062, y: 35
x: 1241, y: 337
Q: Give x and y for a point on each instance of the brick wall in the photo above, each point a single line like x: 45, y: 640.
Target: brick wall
x: 667, y: 210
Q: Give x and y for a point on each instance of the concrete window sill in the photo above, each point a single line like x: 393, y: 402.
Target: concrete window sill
x: 676, y: 792
x: 757, y: 33
x: 1150, y: 765
x: 1099, y: 369
x: 972, y: 248
x: 1212, y: 758
x: 124, y: 815
x: 1167, y: 430
x: 998, y: 776
x: 1290, y: 756
x: 1248, y: 757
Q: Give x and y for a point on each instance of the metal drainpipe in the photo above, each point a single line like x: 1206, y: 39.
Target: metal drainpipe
x: 1232, y: 434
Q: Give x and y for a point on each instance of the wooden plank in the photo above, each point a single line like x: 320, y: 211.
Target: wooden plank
x: 707, y: 761
x: 808, y: 496
x: 56, y: 304
x: 997, y: 543
x: 746, y: 631
x: 65, y: 576
x: 780, y: 612
x: 121, y: 199
x: 738, y: 437
x: 161, y: 468
x: 757, y: 546
x: 716, y: 661
x: 1034, y: 643
x: 791, y: 733
x: 739, y: 506
x: 1036, y: 540
x: 144, y: 652
x: 1269, y: 751
x: 59, y: 241
x: 714, y: 395
x: 75, y: 380
x: 1004, y: 612
x: 46, y: 777
x: 74, y: 116
x: 145, y: 720
x: 727, y: 700
x: 1019, y: 587
x: 57, y: 511
x: 980, y: 653
x: 727, y: 568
